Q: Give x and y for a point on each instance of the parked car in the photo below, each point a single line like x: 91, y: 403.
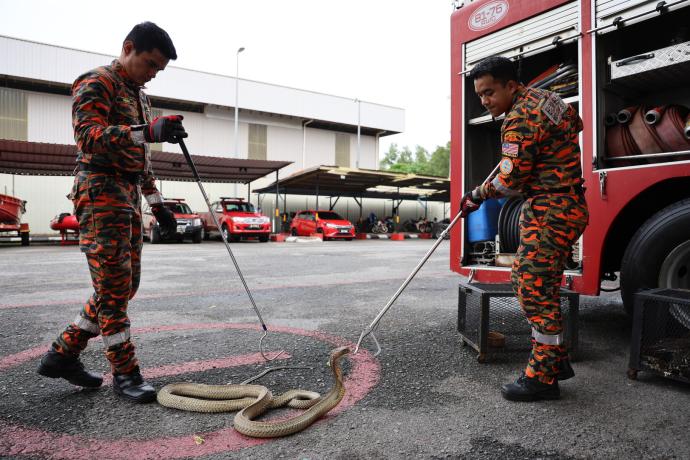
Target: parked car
x: 189, y: 223
x: 329, y: 223
x: 238, y: 220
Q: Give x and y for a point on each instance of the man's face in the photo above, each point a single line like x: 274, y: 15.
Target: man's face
x: 142, y: 67
x: 496, y: 97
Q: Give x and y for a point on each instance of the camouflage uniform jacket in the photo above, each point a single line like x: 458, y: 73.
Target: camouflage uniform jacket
x: 539, y: 147
x: 105, y: 106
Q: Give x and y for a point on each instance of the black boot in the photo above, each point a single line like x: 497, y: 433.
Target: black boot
x: 56, y: 365
x: 133, y: 387
x: 527, y: 389
x: 565, y: 370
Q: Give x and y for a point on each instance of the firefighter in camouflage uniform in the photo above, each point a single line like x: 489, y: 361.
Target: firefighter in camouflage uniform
x: 112, y: 124
x: 540, y: 160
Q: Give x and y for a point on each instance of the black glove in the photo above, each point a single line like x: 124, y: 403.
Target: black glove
x: 166, y: 220
x: 470, y: 202
x: 165, y: 129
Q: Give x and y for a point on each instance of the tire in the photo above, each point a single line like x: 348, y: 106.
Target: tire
x: 25, y: 239
x: 205, y: 235
x: 154, y: 234
x: 198, y: 236
x: 293, y: 232
x: 225, y: 232
x: 263, y: 238
x: 658, y: 255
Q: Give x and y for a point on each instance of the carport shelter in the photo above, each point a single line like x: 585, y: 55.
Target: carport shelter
x: 335, y: 182
x: 42, y: 159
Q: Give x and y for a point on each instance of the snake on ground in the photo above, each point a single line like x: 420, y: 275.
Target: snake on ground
x: 253, y: 400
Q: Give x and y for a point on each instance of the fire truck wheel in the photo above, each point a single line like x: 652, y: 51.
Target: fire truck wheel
x: 658, y: 255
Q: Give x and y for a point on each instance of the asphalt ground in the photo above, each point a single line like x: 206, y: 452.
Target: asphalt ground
x: 425, y: 396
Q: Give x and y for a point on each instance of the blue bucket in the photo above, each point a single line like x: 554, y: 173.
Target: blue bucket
x: 482, y: 224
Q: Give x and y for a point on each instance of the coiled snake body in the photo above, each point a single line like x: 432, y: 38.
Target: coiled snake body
x: 254, y: 400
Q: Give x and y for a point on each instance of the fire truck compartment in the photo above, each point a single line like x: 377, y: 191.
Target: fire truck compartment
x: 642, y: 96
x: 492, y: 232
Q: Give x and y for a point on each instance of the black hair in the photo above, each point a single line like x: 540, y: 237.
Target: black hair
x: 147, y: 36
x: 502, y: 69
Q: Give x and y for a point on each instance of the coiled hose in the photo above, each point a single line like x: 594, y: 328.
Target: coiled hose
x: 509, y: 224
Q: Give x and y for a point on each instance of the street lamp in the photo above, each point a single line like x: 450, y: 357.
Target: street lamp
x: 236, y: 154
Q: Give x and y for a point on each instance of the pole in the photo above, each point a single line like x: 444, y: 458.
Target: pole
x: 192, y: 166
x: 277, y: 209
x: 371, y: 327
x: 236, y: 153
x: 359, y: 129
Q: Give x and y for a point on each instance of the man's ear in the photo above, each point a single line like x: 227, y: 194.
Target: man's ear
x: 512, y: 86
x: 128, y: 47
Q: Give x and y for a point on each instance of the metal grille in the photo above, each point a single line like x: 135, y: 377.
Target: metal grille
x: 491, y: 321
x: 13, y: 114
x: 342, y: 150
x: 660, y: 340
x: 257, y: 142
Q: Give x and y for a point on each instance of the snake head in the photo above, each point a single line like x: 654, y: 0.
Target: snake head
x: 340, y: 351
x: 336, y: 354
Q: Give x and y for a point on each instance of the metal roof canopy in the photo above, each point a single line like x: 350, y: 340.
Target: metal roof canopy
x: 36, y: 158
x: 334, y: 181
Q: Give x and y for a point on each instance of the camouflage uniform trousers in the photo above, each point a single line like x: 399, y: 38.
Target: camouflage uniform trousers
x: 549, y: 226
x: 108, y: 209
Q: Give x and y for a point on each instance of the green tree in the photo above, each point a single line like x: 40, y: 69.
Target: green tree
x: 439, y: 163
x: 390, y: 158
x: 436, y: 164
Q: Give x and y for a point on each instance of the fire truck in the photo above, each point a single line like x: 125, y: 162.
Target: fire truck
x: 625, y: 66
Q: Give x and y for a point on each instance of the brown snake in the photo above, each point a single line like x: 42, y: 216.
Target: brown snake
x: 254, y: 400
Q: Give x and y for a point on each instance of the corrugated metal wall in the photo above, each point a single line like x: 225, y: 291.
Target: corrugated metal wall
x: 50, y: 118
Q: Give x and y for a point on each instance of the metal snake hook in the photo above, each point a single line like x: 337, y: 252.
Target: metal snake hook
x: 261, y: 348
x: 369, y: 330
x: 192, y: 166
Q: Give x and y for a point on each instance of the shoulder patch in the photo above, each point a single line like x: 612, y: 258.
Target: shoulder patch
x: 554, y: 108
x: 510, y: 150
x: 506, y: 166
x: 513, y: 136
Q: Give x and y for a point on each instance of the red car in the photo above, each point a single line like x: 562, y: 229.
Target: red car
x: 329, y: 223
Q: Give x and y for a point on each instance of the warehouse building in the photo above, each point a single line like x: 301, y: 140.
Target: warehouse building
x: 275, y: 122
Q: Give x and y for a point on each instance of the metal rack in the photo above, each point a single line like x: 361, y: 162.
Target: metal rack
x: 490, y: 311
x: 660, y: 341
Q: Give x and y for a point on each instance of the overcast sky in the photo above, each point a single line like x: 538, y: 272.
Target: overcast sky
x: 393, y: 52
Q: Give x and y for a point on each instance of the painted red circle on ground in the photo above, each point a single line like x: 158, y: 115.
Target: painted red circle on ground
x: 22, y: 440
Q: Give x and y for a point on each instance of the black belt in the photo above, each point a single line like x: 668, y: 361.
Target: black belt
x: 574, y: 189
x: 133, y: 178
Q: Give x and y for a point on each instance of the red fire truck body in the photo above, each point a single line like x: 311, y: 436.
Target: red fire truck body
x: 625, y: 192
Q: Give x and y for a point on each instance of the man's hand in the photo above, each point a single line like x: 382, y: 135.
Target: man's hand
x: 470, y: 202
x: 166, y: 220
x: 165, y: 129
